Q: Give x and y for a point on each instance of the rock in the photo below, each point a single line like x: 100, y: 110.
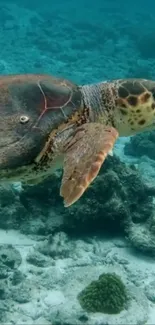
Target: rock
x: 12, y: 212
x: 17, y: 277
x: 21, y: 293
x: 117, y: 198
x: 56, y: 246
x: 3, y: 290
x: 112, y: 202
x: 141, y: 145
x: 150, y: 291
x: 4, y: 271
x: 10, y: 256
x: 141, y: 238
x: 37, y: 259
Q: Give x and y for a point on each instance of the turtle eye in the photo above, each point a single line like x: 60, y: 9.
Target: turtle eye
x: 24, y: 119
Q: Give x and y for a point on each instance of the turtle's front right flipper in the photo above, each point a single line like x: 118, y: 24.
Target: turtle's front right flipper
x: 84, y: 156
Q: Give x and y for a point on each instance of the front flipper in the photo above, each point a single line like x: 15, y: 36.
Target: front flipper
x: 84, y: 156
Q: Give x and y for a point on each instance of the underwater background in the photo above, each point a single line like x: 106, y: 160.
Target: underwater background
x: 92, y: 263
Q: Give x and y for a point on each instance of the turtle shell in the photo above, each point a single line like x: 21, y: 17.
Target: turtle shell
x: 31, y: 107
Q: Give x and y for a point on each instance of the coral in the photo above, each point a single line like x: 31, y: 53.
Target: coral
x: 21, y: 293
x: 17, y: 277
x: 10, y: 260
x: 10, y: 256
x: 3, y: 290
x: 117, y: 197
x: 106, y: 295
x: 141, y: 145
x: 37, y: 259
x: 142, y: 236
x: 149, y: 291
x: 12, y: 212
x: 55, y: 246
x: 117, y: 200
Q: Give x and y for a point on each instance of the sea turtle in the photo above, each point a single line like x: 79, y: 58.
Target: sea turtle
x: 48, y: 122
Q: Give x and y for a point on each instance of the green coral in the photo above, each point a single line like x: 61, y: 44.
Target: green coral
x: 106, y: 295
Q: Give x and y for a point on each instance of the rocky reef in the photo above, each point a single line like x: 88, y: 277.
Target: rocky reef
x: 118, y: 202
x: 54, y: 253
x: 67, y: 248
x: 141, y: 145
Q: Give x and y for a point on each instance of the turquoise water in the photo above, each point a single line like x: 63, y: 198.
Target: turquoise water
x: 85, y: 41
x: 49, y: 254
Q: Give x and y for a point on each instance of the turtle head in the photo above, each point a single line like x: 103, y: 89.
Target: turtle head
x: 134, y: 109
x: 126, y: 104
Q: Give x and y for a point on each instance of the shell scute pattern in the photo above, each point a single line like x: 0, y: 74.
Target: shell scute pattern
x: 51, y: 104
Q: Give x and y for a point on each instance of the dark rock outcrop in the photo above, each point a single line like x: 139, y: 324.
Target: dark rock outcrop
x: 141, y: 145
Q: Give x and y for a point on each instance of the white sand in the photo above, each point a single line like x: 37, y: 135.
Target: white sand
x: 110, y: 255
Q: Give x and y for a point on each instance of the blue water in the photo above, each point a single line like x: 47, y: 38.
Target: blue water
x: 85, y: 41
